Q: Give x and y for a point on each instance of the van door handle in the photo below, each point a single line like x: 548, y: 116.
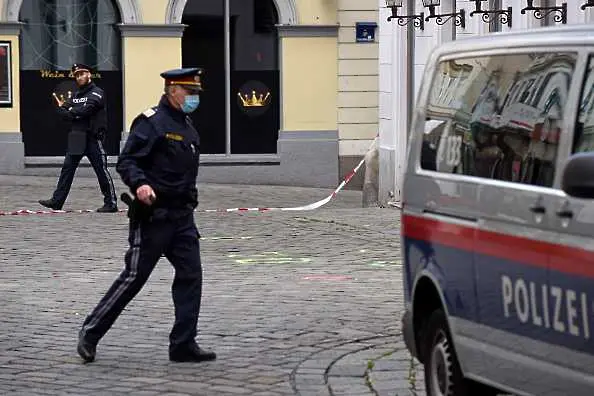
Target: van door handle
x: 565, y: 213
x: 538, y: 208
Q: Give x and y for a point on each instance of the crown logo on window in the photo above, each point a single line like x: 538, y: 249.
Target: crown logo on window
x: 255, y: 100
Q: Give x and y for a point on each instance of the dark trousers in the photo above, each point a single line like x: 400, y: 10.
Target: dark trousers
x: 98, y: 159
x: 178, y: 241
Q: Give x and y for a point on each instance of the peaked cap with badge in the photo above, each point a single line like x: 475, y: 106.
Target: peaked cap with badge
x: 78, y: 67
x: 188, y: 77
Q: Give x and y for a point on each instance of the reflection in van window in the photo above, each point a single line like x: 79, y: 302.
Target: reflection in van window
x: 498, y: 117
x: 584, y: 127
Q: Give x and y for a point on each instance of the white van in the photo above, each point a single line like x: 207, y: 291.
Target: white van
x: 498, y: 216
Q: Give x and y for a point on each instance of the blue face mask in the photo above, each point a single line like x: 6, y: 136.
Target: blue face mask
x: 191, y: 103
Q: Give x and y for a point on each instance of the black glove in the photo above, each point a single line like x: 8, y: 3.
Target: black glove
x: 137, y: 211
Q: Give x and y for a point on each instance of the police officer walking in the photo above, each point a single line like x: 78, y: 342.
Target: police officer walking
x: 87, y: 112
x: 159, y: 164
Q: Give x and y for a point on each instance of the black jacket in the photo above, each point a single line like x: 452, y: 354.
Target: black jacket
x: 87, y: 111
x: 163, y: 152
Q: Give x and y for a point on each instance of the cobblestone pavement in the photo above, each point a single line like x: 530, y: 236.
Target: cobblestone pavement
x: 303, y: 303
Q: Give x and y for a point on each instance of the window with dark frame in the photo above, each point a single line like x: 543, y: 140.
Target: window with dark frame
x: 5, y: 74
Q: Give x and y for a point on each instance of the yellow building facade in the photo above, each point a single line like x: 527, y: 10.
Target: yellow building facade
x: 314, y: 107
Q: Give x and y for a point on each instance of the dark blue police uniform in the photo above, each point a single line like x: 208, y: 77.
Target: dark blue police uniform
x: 162, y: 152
x: 86, y: 110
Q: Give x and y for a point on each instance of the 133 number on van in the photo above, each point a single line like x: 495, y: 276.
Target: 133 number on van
x: 450, y: 149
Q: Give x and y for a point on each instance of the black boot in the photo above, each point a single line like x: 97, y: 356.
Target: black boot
x: 86, y: 349
x: 191, y: 353
x: 107, y: 209
x: 50, y: 203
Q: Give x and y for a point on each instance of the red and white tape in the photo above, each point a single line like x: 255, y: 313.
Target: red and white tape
x: 311, y: 206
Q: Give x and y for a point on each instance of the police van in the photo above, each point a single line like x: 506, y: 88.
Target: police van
x: 498, y: 216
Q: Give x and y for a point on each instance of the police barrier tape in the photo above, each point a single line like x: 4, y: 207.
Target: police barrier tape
x: 311, y: 206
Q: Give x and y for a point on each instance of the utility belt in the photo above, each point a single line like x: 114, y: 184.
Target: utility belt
x: 77, y: 142
x: 78, y: 138
x: 161, y: 209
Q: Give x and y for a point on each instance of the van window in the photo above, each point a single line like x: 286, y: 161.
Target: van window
x: 584, y: 127
x: 498, y: 117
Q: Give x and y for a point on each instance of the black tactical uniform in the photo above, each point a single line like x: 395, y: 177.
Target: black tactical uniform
x: 86, y: 110
x: 162, y: 152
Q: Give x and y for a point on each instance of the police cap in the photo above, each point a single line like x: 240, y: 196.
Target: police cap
x: 189, y: 78
x: 78, y: 67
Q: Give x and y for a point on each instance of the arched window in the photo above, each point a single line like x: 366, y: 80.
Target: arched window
x: 57, y: 33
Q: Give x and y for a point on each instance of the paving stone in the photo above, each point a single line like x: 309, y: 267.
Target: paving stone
x: 175, y: 394
x: 349, y: 389
x: 230, y: 389
x: 265, y: 394
x: 267, y: 380
x: 348, y: 369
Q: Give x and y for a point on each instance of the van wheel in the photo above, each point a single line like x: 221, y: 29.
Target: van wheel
x: 443, y: 376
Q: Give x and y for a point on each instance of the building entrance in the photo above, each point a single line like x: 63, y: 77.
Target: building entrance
x: 236, y: 42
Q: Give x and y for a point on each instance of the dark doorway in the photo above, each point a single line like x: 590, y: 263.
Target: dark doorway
x: 56, y: 34
x: 254, y: 108
x: 255, y: 120
x: 203, y: 45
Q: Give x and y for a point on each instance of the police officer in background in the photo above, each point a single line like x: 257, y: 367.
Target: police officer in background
x: 159, y: 164
x: 87, y: 113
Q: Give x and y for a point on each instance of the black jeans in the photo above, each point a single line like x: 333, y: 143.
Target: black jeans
x: 178, y: 241
x: 98, y: 159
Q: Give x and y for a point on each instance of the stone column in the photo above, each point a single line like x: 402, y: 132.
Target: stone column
x: 395, y: 59
x: 401, y: 104
x: 386, y: 97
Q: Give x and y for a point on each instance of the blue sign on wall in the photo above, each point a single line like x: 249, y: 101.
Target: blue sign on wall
x: 365, y: 32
